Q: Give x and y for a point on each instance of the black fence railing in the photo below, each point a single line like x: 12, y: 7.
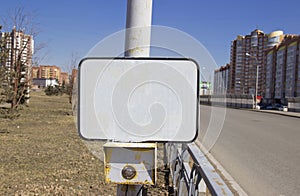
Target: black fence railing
x: 189, y: 168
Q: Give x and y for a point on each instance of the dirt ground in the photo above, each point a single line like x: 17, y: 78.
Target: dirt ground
x: 41, y: 153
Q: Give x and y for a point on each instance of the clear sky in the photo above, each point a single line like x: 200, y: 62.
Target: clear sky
x: 76, y: 26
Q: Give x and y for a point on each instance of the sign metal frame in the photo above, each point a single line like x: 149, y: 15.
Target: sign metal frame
x: 138, y: 59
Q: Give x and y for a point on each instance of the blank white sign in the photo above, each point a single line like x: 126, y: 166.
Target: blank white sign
x: 138, y: 99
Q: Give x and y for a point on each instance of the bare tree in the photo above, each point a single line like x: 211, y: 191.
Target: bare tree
x: 5, y: 74
x: 72, y: 70
x: 23, y: 20
x: 21, y: 55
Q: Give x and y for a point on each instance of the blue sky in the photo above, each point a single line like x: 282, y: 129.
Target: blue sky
x: 76, y: 26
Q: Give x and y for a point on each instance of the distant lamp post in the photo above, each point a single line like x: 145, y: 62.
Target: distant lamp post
x: 256, y: 82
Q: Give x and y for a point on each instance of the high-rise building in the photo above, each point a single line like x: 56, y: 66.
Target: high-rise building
x: 273, y: 59
x: 20, y: 46
x: 275, y: 38
x: 291, y: 69
x: 17, y: 57
x: 270, y: 74
x: 298, y: 72
x: 280, y: 73
x: 221, y: 80
x: 286, y: 68
x: 247, y: 55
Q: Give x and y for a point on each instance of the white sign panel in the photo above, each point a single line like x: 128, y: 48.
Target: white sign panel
x: 138, y: 99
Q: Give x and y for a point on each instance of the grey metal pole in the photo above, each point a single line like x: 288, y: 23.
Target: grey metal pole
x: 256, y: 84
x: 137, y: 44
x: 138, y: 28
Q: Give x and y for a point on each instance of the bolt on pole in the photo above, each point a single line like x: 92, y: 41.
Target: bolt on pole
x: 137, y: 44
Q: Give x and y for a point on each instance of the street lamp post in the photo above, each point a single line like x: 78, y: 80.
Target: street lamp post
x: 256, y: 81
x: 256, y: 84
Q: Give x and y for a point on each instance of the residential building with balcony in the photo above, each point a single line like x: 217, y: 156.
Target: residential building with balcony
x: 270, y: 74
x: 247, y: 54
x: 19, y: 47
x: 282, y: 70
x: 276, y: 57
x: 47, y: 71
x: 291, y: 70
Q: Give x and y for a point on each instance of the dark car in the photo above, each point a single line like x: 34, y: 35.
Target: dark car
x: 270, y: 107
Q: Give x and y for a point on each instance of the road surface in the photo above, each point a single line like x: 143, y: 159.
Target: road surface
x: 260, y: 151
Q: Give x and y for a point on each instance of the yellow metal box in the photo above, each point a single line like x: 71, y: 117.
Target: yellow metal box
x: 130, y: 163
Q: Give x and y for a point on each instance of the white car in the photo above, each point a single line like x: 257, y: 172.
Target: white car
x: 283, y: 108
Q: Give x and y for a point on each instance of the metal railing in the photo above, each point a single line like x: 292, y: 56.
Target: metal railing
x: 228, y: 100
x: 189, y: 169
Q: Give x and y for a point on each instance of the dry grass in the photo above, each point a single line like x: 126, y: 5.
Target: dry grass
x: 42, y: 154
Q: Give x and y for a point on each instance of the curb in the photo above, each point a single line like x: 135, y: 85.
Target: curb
x: 277, y: 113
x: 229, y: 180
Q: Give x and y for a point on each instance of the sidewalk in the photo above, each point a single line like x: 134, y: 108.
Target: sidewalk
x: 291, y: 114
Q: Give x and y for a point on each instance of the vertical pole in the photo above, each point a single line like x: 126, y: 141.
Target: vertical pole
x: 138, y: 28
x: 256, y: 86
x: 137, y: 42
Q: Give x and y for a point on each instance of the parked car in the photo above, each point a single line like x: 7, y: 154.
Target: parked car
x: 270, y: 107
x: 277, y: 106
x: 283, y: 108
x: 263, y: 106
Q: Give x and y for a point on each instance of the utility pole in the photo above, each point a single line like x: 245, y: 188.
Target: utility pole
x: 138, y: 28
x: 256, y: 85
x: 137, y: 44
x: 256, y: 80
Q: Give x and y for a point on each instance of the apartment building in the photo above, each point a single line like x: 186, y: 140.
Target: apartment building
x: 47, y: 71
x: 270, y: 74
x: 17, y: 51
x: 247, y: 55
x: 291, y: 67
x: 19, y: 46
x: 298, y: 72
x: 221, y: 80
x: 282, y: 75
x: 275, y: 38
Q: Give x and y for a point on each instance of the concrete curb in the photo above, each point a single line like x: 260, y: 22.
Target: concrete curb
x: 229, y: 180
x: 289, y: 114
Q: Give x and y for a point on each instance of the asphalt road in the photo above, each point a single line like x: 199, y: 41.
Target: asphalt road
x: 260, y: 151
